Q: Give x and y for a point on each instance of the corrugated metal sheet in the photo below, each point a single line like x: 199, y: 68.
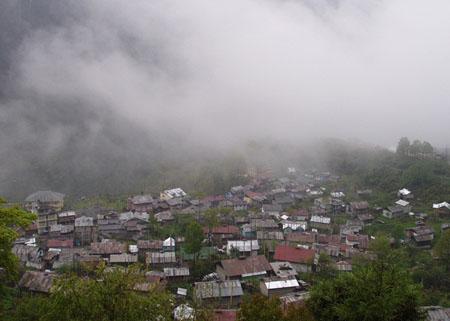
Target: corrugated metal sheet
x: 160, y: 258
x: 174, y: 272
x: 37, y: 281
x: 218, y: 289
x: 281, y: 284
x: 248, y: 266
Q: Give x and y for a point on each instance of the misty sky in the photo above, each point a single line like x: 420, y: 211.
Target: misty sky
x: 223, y: 70
x: 373, y: 70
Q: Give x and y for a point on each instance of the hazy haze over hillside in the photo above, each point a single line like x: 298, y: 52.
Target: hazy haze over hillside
x: 95, y: 93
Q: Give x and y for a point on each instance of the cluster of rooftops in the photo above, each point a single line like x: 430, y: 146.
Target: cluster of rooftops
x: 274, y: 231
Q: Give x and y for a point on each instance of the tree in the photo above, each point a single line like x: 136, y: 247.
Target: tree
x: 193, y: 238
x: 11, y: 220
x: 442, y: 250
x: 211, y: 217
x: 403, y: 146
x: 260, y: 308
x: 298, y: 312
x: 325, y: 268
x: 416, y: 147
x: 380, y: 290
x: 427, y: 148
x: 109, y: 296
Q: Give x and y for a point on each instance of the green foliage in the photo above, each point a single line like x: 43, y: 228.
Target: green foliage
x: 379, y: 290
x: 193, y: 238
x: 403, y: 146
x: 12, y: 218
x: 109, y: 296
x: 325, y: 268
x: 260, y: 308
x: 211, y: 217
x: 442, y: 250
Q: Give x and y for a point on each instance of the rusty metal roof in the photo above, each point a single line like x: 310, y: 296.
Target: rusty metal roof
x: 245, y: 267
x: 108, y: 247
x: 37, y: 281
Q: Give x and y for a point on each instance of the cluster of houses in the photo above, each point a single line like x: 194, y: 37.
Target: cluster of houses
x: 274, y: 231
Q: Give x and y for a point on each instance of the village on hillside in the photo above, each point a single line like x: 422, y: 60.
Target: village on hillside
x: 270, y: 237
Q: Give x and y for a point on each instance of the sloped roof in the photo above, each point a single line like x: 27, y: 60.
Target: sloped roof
x: 218, y: 289
x: 253, y: 265
x: 243, y: 246
x: 141, y: 199
x: 150, y: 245
x: 37, y: 281
x: 293, y: 255
x: 441, y: 205
x: 45, y: 196
x: 402, y: 203
x: 302, y: 237
x: 280, y: 283
x: 108, y: 247
x: 54, y: 243
x: 359, y: 205
x: 230, y: 229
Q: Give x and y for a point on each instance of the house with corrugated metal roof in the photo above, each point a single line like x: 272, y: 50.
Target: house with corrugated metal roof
x: 219, y: 293
x: 244, y: 267
x: 277, y: 286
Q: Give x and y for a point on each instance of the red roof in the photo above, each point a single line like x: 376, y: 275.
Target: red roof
x: 230, y: 229
x: 294, y: 255
x: 60, y: 243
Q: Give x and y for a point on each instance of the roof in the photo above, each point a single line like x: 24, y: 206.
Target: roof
x: 108, y: 247
x: 263, y: 223
x: 141, y: 199
x: 164, y: 216
x: 283, y: 269
x: 274, y: 284
x: 37, y: 281
x: 160, y: 258
x: 150, y: 245
x: 123, y: 258
x: 175, y: 192
x: 84, y: 221
x: 60, y: 243
x: 294, y: 225
x: 243, y: 246
x: 270, y: 235
x: 45, y: 196
x: 183, y: 312
x: 402, y: 203
x: 253, y: 265
x: 169, y: 242
x: 337, y: 194
x: 67, y: 214
x: 320, y: 219
x: 134, y: 215
x: 438, y: 314
x: 359, y: 205
x: 441, y: 205
x: 173, y: 272
x: 230, y: 229
x: 404, y: 191
x: 293, y: 255
x: 218, y: 289
x: 302, y: 237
